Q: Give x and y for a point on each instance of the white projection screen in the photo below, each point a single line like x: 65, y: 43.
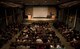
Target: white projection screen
x: 40, y: 12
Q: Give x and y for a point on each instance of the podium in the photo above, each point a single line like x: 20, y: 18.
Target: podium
x: 53, y: 17
x: 29, y: 17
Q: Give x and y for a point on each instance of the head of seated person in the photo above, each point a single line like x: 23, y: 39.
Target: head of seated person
x: 58, y: 46
x: 40, y: 47
x: 74, y: 40
x: 51, y: 46
x: 45, y: 40
x: 26, y: 36
x: 63, y: 47
x: 39, y: 40
x: 78, y: 37
x: 55, y: 46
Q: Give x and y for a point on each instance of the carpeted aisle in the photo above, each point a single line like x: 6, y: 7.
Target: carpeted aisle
x: 7, y: 45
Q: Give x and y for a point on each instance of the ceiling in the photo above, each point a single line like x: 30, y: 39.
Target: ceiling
x: 37, y: 2
x: 34, y: 2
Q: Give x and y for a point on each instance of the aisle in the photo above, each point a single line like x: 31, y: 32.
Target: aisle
x: 7, y: 45
x: 63, y: 40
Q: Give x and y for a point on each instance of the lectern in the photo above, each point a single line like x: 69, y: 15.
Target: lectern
x: 29, y: 17
x: 53, y: 17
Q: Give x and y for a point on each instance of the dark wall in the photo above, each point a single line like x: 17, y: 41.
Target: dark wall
x: 2, y: 17
x: 78, y: 20
x: 70, y: 16
x: 9, y: 16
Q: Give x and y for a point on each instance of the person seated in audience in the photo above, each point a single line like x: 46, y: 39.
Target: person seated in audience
x: 40, y: 33
x: 58, y: 46
x: 45, y: 40
x: 56, y: 39
x: 40, y: 47
x: 65, y: 32
x: 47, y: 46
x: 26, y: 36
x: 51, y: 46
x: 54, y: 47
x: 73, y: 42
x: 39, y: 40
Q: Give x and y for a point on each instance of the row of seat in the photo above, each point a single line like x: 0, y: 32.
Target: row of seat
x: 71, y: 35
x: 7, y: 33
x: 38, y: 35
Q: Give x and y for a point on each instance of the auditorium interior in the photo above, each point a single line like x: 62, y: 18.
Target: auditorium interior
x: 39, y: 24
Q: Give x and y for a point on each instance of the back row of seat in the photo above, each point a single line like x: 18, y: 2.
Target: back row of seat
x: 71, y: 35
x: 7, y: 33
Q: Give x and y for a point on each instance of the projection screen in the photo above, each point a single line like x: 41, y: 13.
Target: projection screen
x: 40, y: 12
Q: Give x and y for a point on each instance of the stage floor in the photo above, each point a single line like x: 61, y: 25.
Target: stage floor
x: 29, y: 21
x: 40, y: 19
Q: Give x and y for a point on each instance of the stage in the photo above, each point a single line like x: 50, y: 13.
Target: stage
x: 40, y: 19
x: 29, y: 21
